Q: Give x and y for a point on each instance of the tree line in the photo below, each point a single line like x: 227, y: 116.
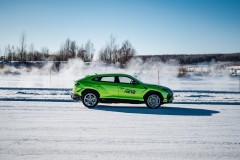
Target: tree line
x: 21, y: 54
x: 111, y: 53
x: 194, y: 58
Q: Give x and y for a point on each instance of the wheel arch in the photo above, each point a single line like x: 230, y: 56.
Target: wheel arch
x: 153, y: 92
x: 90, y: 90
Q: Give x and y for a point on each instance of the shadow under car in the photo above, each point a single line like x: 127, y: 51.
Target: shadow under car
x: 178, y: 111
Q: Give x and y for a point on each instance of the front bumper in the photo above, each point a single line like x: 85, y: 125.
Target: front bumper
x: 75, y: 97
x: 170, y: 98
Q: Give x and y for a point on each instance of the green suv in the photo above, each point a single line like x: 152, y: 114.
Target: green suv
x: 119, y: 88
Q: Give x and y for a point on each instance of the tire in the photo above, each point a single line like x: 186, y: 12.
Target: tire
x: 153, y: 101
x: 90, y: 99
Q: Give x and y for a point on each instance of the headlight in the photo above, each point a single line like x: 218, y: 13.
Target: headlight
x: 77, y: 83
x: 168, y: 90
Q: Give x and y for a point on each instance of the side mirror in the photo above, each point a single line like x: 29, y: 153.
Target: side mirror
x: 134, y: 82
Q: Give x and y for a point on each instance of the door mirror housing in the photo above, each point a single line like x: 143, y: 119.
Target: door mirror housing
x: 134, y: 82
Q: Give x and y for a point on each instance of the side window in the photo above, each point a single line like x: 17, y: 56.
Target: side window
x: 125, y: 80
x: 107, y: 79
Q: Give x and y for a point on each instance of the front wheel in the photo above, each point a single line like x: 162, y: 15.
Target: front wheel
x: 90, y: 99
x: 153, y: 101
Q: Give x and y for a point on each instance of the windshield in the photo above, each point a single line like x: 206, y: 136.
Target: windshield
x: 136, y: 79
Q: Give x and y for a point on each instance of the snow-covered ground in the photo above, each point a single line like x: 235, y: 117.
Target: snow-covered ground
x: 67, y: 130
x: 39, y: 120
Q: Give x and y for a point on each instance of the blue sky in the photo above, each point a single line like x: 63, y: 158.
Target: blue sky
x: 152, y: 26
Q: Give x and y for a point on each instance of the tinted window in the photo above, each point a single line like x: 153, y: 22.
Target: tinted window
x: 125, y: 80
x: 107, y: 79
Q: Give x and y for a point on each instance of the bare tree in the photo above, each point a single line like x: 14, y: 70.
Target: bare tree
x: 61, y: 55
x: 90, y: 50
x: 86, y: 52
x: 45, y: 53
x: 113, y: 49
x: 81, y: 53
x: 30, y: 55
x: 108, y: 54
x: 73, y: 49
x: 126, y: 52
x: 103, y: 55
x: 22, y: 49
x: 111, y: 54
x: 10, y: 53
x: 67, y: 49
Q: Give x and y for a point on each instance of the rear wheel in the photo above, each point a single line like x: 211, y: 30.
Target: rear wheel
x: 153, y: 101
x: 90, y: 99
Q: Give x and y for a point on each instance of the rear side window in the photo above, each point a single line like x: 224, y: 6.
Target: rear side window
x: 107, y: 79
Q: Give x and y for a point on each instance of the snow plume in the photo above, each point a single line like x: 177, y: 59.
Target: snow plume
x: 153, y: 71
x: 67, y: 72
x: 150, y: 71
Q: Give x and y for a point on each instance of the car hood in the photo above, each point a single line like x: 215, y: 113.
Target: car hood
x: 158, y: 86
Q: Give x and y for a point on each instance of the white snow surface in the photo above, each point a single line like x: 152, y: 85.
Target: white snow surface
x: 69, y: 131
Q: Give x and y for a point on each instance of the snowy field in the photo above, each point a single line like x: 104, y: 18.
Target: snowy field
x: 39, y: 120
x: 67, y: 130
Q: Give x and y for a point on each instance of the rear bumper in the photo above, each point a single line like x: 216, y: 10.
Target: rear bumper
x: 75, y: 96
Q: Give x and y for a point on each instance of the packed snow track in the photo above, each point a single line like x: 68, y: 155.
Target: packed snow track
x: 67, y: 130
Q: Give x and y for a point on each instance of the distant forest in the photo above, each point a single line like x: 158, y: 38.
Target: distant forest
x: 194, y: 58
x: 111, y: 53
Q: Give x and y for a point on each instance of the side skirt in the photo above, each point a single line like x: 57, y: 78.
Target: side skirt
x: 113, y: 100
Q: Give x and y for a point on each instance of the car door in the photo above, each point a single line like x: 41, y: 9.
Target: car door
x: 130, y: 89
x: 107, y: 87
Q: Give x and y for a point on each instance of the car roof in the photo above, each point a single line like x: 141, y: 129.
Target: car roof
x: 112, y: 74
